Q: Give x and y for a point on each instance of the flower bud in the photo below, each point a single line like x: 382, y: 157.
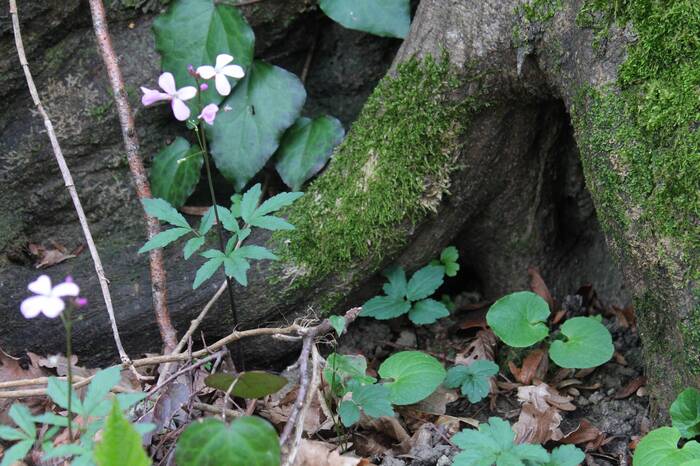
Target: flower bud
x: 192, y: 71
x: 81, y: 302
x: 203, y: 87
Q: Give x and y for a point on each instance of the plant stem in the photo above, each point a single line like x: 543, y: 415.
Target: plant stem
x: 68, y: 324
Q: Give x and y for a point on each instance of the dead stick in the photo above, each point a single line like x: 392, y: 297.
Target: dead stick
x: 68, y: 181
x: 138, y: 172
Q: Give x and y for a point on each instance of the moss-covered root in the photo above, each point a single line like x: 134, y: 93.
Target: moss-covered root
x: 388, y: 174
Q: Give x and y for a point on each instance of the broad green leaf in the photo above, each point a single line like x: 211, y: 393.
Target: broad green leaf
x: 16, y: 452
x: 164, y: 238
x: 195, y: 32
x: 412, y: 376
x: 99, y: 388
x: 427, y: 311
x: 206, y: 271
x: 425, y: 282
x: 263, y: 105
x: 473, y: 379
x: 565, y: 455
x: 306, y: 147
x: 373, y: 399
x: 255, y: 252
x: 660, y: 447
x: 247, y: 441
x: 588, y: 344
x: 388, y: 18
x: 23, y: 418
x: 10, y: 434
x: 338, y: 324
x: 341, y: 368
x: 385, y: 307
x: 249, y: 202
x: 349, y: 412
x: 519, y: 319
x: 237, y: 268
x: 397, y: 286
x: 448, y: 258
x: 251, y: 384
x: 175, y: 172
x: 685, y: 413
x: 192, y: 245
x: 162, y: 210
x: 58, y: 392
x: 120, y: 444
x: 277, y: 202
x: 271, y: 223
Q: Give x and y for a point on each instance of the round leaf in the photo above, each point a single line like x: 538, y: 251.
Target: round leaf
x: 685, y: 413
x: 249, y: 385
x: 247, y: 441
x: 519, y: 319
x: 389, y: 18
x: 412, y: 376
x: 660, y: 447
x: 175, y: 172
x: 589, y: 344
x: 306, y: 147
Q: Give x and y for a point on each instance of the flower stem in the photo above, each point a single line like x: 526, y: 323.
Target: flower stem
x: 66, y: 317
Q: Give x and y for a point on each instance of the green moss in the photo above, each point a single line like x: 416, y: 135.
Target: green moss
x: 540, y: 10
x: 388, y: 174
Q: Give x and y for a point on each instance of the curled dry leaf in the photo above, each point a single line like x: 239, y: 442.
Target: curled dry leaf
x: 536, y: 426
x: 542, y: 396
x: 535, y: 366
x: 46, y: 257
x: 315, y: 453
x: 482, y: 347
x: 631, y: 388
x: 538, y: 285
x: 584, y: 433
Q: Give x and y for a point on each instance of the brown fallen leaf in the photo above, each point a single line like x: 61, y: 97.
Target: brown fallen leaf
x: 625, y: 317
x: 538, y: 285
x: 315, y: 453
x: 631, y: 388
x: 194, y: 210
x: 535, y: 365
x: 473, y: 319
x: 46, y: 257
x: 11, y: 369
x: 542, y: 396
x: 534, y: 426
x: 482, y: 347
x: 584, y: 433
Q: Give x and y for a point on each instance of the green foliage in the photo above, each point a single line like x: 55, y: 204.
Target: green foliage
x: 263, y: 105
x: 660, y: 446
x: 25, y: 435
x: 306, y: 147
x: 449, y: 258
x: 412, y: 376
x: 121, y: 443
x: 519, y: 319
x: 588, y: 344
x: 249, y: 385
x: 247, y: 441
x: 338, y: 324
x: 565, y: 455
x: 473, y: 379
x: 175, y: 172
x: 372, y: 399
x: 685, y: 413
x: 389, y: 18
x: 342, y: 368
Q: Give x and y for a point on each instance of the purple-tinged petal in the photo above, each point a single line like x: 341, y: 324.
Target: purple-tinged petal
x: 180, y: 109
x: 203, y: 87
x: 151, y: 96
x: 31, y: 307
x: 234, y: 71
x: 223, y: 87
x: 206, y: 71
x: 186, y: 93
x: 53, y: 307
x: 209, y: 113
x: 81, y: 302
x: 65, y: 289
x: 222, y: 60
x: 166, y: 81
x: 41, y: 285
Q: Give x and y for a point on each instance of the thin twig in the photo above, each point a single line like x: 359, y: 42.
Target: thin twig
x: 309, y: 58
x: 138, y: 172
x: 215, y: 410
x: 182, y: 371
x: 68, y: 181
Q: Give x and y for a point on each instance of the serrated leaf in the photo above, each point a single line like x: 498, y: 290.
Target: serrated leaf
x: 398, y: 284
x: 349, y: 413
x: 195, y: 32
x: 249, y: 202
x: 192, y: 245
x: 685, y: 413
x: 451, y: 269
x: 427, y: 311
x: 385, y: 307
x: 162, y: 210
x: 338, y: 324
x: 208, y: 219
x: 263, y: 105
x: 565, y: 455
x: 16, y: 452
x: 10, y: 434
x: 277, y: 202
x: 120, y: 444
x: 249, y: 385
x: 207, y: 270
x: 449, y: 254
x: 64, y: 451
x: 247, y: 441
x: 388, y: 18
x: 306, y: 147
x: 425, y: 282
x: 473, y: 379
x: 341, y: 368
x: 237, y: 268
x: 175, y: 172
x: 58, y: 392
x: 271, y: 223
x: 52, y: 419
x: 588, y: 344
x: 23, y: 418
x: 660, y: 447
x: 164, y: 238
x: 99, y: 388
x: 255, y: 252
x: 373, y: 399
x: 519, y: 319
x: 413, y: 376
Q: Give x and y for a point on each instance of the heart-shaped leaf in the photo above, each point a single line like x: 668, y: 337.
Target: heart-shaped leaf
x: 306, y: 147
x: 263, y: 105
x: 660, y: 447
x: 175, y: 172
x: 195, y: 32
x: 685, y: 413
x: 247, y: 441
x: 588, y: 344
x: 412, y: 376
x: 389, y: 18
x: 249, y: 385
x: 519, y: 318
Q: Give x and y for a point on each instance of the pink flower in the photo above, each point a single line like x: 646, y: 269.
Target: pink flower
x: 221, y: 71
x: 177, y: 97
x: 47, y: 299
x: 209, y: 113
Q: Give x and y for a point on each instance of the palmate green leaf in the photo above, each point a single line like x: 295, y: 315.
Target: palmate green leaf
x: 237, y: 268
x: 10, y: 434
x: 306, y: 147
x: 250, y: 201
x: 120, y: 444
x: 99, y: 388
x: 448, y: 258
x: 207, y: 270
x: 342, y: 368
x: 175, y: 172
x: 425, y: 282
x: 413, y: 376
x: 164, y: 238
x: 588, y: 344
x: 519, y: 319
x: 192, y: 245
x: 385, y: 307
x: 194, y: 32
x: 565, y: 455
x: 208, y: 219
x: 685, y: 413
x: 473, y: 379
x: 269, y: 222
x: 249, y: 385
x: 397, y: 286
x: 16, y: 452
x: 264, y: 104
x: 277, y: 202
x: 427, y: 311
x: 338, y: 324
x: 58, y: 392
x: 388, y: 18
x: 660, y: 447
x: 162, y: 210
x: 23, y: 418
x: 255, y: 252
x: 247, y: 441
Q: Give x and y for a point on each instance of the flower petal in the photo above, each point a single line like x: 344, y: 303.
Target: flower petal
x: 65, y: 289
x: 222, y: 60
x: 151, y: 96
x: 31, y: 307
x: 41, y: 285
x: 186, y: 93
x: 167, y: 83
x: 206, y: 71
x: 234, y: 71
x: 223, y: 87
x: 209, y: 113
x: 180, y: 109
x: 53, y: 307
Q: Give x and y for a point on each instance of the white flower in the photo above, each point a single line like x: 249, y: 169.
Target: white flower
x: 176, y: 96
x: 221, y: 71
x: 48, y: 299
